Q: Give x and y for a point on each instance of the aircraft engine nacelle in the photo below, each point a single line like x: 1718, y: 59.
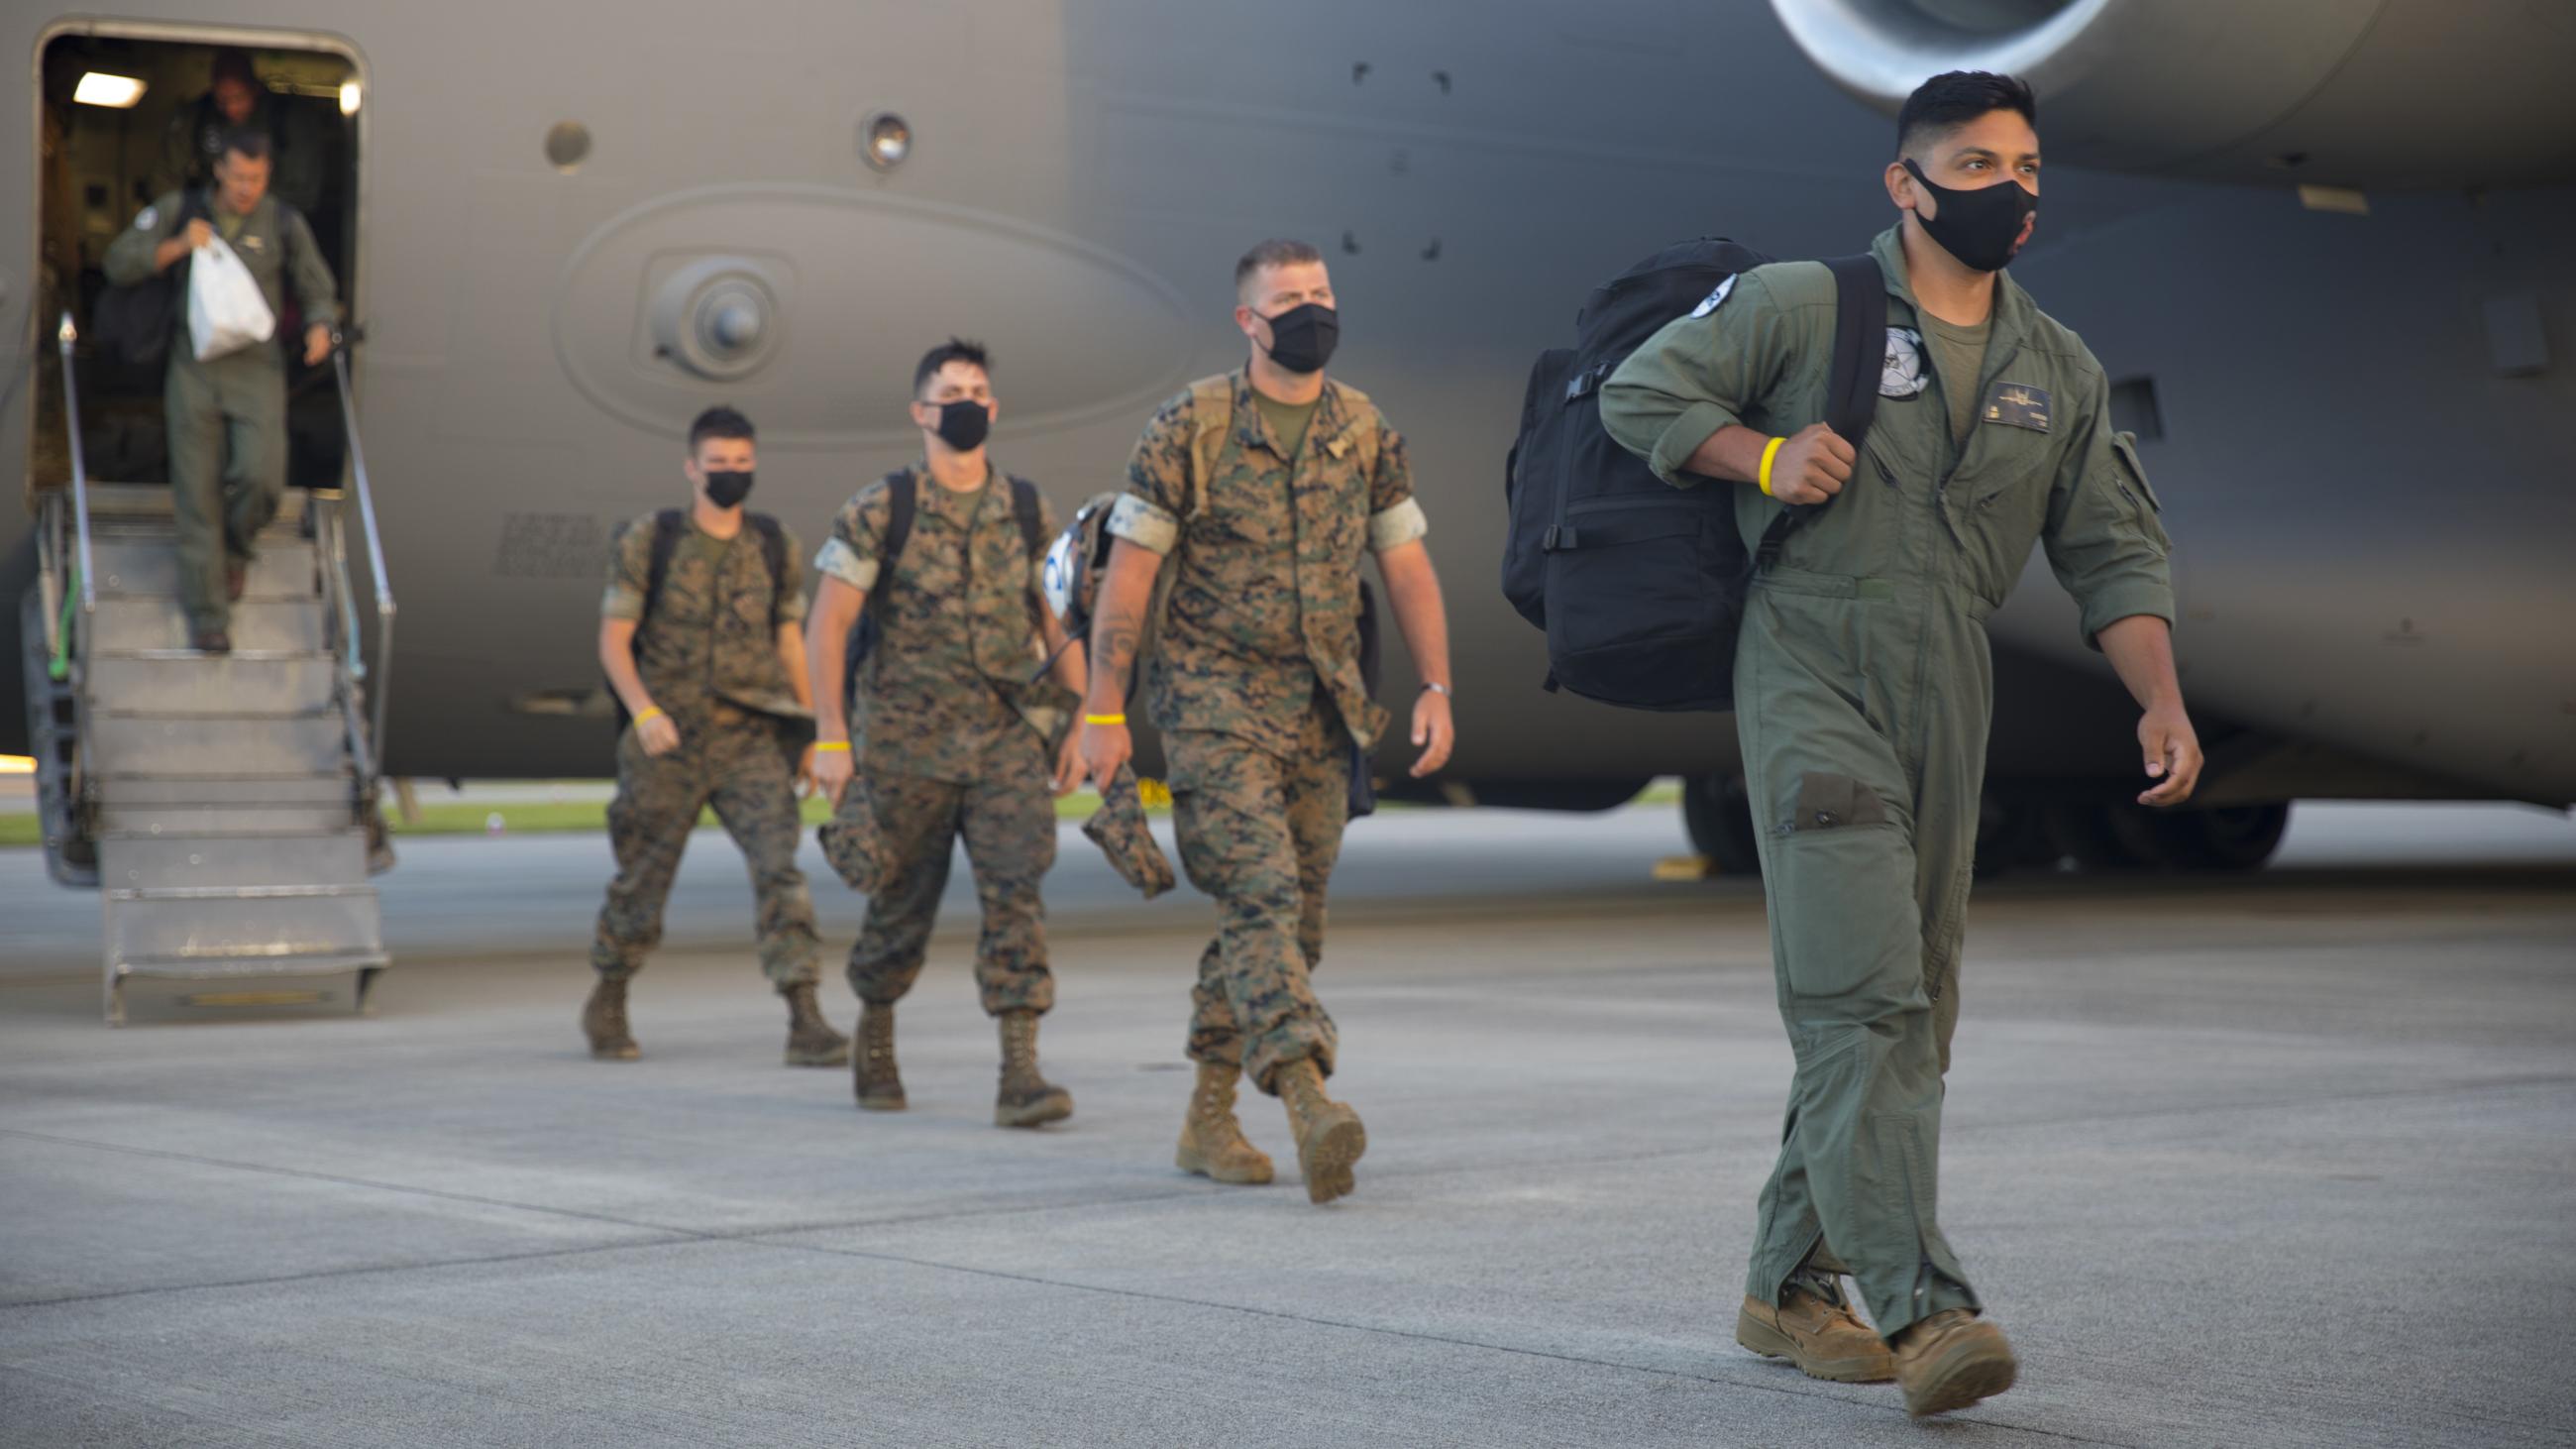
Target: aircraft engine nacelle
x: 2351, y: 93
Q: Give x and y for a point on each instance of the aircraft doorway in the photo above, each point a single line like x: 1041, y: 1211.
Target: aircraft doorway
x: 126, y: 118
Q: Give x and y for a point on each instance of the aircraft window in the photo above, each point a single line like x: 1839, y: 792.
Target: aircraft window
x: 885, y: 139
x: 567, y: 144
x: 123, y: 121
x: 2134, y: 410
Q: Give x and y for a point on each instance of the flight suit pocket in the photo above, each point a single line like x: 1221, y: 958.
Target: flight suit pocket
x: 2139, y: 506
x: 1843, y: 898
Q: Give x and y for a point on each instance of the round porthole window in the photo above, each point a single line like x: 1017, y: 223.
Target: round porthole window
x: 567, y: 143
x: 885, y: 139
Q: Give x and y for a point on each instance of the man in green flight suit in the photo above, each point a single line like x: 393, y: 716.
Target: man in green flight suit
x: 1261, y: 491
x: 227, y: 414
x: 1863, y: 692
x: 700, y: 636
x: 956, y: 735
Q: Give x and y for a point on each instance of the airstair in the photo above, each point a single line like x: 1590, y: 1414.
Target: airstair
x: 222, y: 805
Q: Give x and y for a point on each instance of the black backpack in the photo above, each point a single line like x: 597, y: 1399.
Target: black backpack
x: 133, y: 324
x: 1640, y: 585
x: 900, y: 501
x: 668, y: 527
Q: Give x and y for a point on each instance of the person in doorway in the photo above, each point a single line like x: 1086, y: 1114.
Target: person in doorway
x: 227, y: 414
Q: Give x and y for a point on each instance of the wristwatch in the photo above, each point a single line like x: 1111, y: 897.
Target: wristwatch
x: 1439, y: 689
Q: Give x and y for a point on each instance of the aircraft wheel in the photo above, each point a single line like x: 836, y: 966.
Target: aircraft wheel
x: 2099, y: 837
x: 1720, y: 821
x: 2233, y: 839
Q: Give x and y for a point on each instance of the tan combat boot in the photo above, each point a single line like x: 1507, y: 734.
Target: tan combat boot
x: 603, y: 1020
x: 873, y: 1077
x: 1824, y: 1338
x: 1951, y: 1360
x: 811, y: 1042
x: 1329, y: 1135
x: 1025, y: 1098
x: 1212, y: 1141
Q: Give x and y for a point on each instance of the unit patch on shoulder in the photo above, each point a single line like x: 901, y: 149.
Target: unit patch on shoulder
x: 1711, y: 302
x: 1901, y: 375
x: 148, y: 218
x: 2016, y: 405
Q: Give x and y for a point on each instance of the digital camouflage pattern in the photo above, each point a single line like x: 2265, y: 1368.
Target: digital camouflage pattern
x: 1260, y: 832
x: 729, y: 758
x: 1868, y: 687
x: 851, y: 842
x: 1118, y: 827
x: 712, y: 635
x: 953, y: 676
x: 226, y: 417
x: 1263, y: 609
x: 1007, y: 818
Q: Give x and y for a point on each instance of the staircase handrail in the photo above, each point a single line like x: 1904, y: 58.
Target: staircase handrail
x: 64, y: 336
x: 342, y: 338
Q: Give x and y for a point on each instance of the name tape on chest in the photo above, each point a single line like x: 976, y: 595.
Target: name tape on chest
x: 2016, y: 405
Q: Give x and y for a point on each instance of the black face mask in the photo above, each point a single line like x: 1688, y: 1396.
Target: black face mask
x: 1981, y: 227
x: 964, y: 424
x: 1302, y: 338
x: 728, y: 489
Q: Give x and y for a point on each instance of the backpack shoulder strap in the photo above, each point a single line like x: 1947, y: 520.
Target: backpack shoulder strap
x: 903, y: 494
x: 1363, y: 429
x: 1211, y: 418
x: 773, y: 552
x: 1860, y: 345
x: 667, y: 527
x: 1024, y: 507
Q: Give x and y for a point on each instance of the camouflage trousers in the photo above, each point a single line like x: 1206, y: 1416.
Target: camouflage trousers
x: 1006, y: 816
x: 730, y: 759
x: 1260, y: 833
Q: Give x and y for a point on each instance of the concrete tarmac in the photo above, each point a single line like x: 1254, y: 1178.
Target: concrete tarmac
x: 2285, y: 1159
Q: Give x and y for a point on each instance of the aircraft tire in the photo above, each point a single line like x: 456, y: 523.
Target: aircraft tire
x: 2235, y: 838
x: 1719, y: 818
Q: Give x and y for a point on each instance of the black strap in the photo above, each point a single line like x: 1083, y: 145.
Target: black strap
x: 899, y: 505
x: 1025, y: 507
x: 773, y: 552
x: 671, y: 523
x: 1851, y: 379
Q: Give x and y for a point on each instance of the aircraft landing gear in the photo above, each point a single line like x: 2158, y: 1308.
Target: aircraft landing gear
x: 1720, y: 820
x: 2128, y: 836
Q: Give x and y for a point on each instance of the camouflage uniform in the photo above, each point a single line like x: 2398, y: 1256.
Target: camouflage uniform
x: 1254, y: 683
x: 953, y: 732
x: 709, y: 658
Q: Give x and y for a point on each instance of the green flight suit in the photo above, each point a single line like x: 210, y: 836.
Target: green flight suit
x: 227, y: 415
x: 1863, y: 689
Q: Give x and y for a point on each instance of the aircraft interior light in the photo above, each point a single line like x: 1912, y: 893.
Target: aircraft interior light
x: 98, y: 88
x: 349, y: 97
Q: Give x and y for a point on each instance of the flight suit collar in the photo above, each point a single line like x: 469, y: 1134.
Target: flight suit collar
x: 2013, y: 308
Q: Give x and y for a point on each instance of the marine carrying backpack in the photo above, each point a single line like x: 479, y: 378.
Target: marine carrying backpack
x: 1641, y: 585
x: 901, y: 496
x: 669, y: 527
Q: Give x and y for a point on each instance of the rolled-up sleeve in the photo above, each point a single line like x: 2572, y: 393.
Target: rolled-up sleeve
x: 1696, y: 375
x: 1148, y: 514
x: 629, y: 557
x: 2104, y: 538
x: 1395, y: 514
x: 852, y: 553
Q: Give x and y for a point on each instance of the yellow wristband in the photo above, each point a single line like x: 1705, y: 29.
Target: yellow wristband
x: 1104, y: 719
x: 1770, y: 451
x: 653, y: 713
x: 842, y: 745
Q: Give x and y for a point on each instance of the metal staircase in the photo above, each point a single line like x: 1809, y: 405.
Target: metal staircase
x: 224, y: 805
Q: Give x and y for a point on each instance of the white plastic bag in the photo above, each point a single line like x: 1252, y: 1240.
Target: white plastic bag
x: 226, y: 313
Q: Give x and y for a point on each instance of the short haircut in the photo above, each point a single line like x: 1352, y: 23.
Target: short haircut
x: 719, y: 422
x: 1954, y: 98
x: 233, y: 63
x: 247, y: 143
x: 1276, y: 252
x: 955, y: 349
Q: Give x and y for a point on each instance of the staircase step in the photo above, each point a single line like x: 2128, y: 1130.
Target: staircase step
x: 285, y: 963
x: 139, y: 565
x: 130, y: 623
x: 199, y: 821
x: 115, y: 506
x: 184, y: 682
x: 144, y: 744
x: 328, y: 787
x: 236, y: 857
x: 223, y: 927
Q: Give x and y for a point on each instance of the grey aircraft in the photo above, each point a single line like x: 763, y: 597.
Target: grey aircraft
x: 2321, y: 245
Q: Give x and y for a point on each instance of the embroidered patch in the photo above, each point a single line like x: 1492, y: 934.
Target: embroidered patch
x: 2017, y: 405
x: 1901, y: 375
x: 147, y: 219
x: 1711, y: 302
x: 254, y: 243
